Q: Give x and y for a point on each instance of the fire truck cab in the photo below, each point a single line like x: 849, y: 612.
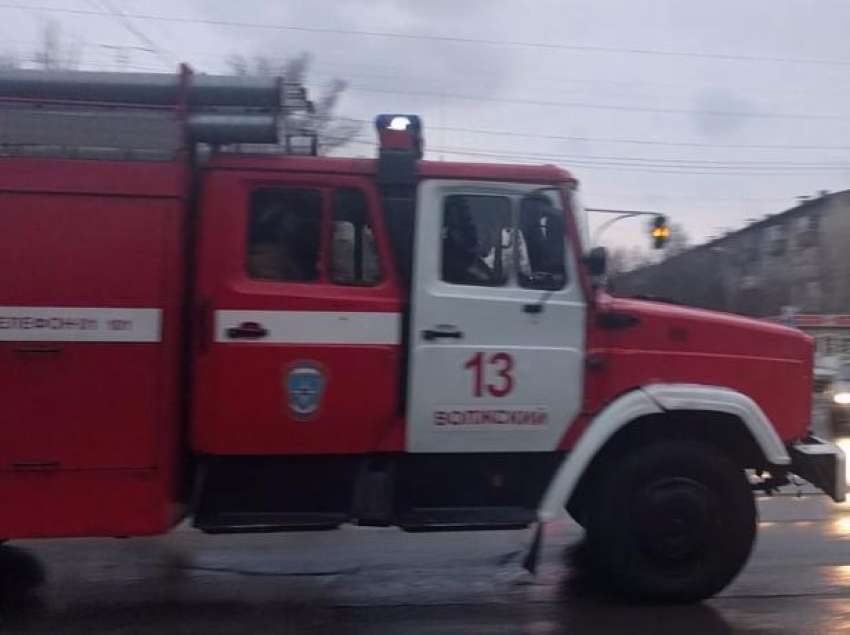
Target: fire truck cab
x: 274, y: 343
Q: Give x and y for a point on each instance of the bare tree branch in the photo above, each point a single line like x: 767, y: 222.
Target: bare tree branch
x: 295, y: 68
x: 678, y: 242
x: 56, y: 51
x: 331, y: 130
x: 9, y: 59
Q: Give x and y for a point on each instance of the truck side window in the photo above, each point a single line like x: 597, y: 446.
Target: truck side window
x: 474, y: 230
x: 284, y: 230
x: 354, y: 255
x: 540, y: 245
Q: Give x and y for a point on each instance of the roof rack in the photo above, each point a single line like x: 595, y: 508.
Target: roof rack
x: 139, y: 115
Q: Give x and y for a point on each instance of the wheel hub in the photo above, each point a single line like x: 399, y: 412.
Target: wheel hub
x: 674, y: 519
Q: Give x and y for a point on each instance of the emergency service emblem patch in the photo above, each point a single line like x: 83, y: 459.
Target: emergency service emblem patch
x: 304, y: 383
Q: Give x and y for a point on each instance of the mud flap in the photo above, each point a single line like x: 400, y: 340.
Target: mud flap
x: 532, y: 558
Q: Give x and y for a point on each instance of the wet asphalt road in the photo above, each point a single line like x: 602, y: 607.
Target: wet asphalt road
x: 382, y: 581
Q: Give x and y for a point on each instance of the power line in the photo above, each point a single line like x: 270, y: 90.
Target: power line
x: 690, y: 163
x: 330, y: 68
x: 395, y: 71
x: 647, y: 166
x: 450, y: 38
x: 531, y: 102
x: 561, y: 104
x: 621, y: 140
x: 711, y: 199
x: 615, y: 107
x: 596, y: 106
x: 413, y: 74
x: 100, y: 64
x: 661, y: 162
x: 116, y: 14
x: 637, y: 166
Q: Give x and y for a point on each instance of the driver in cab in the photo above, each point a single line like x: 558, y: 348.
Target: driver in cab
x: 461, y: 261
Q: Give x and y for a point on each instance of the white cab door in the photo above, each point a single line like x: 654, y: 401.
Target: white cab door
x: 498, y: 320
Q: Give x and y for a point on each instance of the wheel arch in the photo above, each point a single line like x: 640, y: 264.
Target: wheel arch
x: 716, y: 415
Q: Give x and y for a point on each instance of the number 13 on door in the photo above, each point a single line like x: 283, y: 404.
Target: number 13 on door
x: 492, y: 374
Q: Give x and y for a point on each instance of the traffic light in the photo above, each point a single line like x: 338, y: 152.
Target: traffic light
x: 660, y: 231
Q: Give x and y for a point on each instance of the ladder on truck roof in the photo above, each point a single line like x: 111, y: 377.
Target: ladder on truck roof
x: 153, y: 116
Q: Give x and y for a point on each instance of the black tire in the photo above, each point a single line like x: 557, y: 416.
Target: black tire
x: 20, y: 572
x: 670, y: 523
x: 576, y: 511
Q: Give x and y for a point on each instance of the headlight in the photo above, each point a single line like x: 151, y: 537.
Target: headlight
x: 842, y: 398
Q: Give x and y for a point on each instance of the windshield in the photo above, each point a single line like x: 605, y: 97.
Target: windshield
x: 580, y: 215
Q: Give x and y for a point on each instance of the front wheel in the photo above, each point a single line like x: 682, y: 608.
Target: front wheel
x: 672, y: 522
x: 20, y: 572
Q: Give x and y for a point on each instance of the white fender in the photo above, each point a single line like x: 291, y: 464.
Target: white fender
x: 719, y: 399
x: 618, y: 413
x: 655, y: 399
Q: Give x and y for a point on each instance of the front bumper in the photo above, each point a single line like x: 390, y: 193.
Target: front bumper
x: 821, y: 463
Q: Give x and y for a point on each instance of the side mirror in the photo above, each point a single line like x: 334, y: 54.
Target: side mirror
x: 596, y: 261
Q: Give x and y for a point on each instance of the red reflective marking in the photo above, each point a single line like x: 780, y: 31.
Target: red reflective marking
x: 476, y: 365
x: 506, y: 364
x: 502, y: 366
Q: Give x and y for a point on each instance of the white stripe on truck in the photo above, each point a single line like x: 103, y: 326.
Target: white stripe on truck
x: 79, y: 324
x: 312, y: 327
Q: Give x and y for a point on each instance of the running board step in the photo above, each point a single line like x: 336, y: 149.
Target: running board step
x: 263, y: 522
x: 466, y: 518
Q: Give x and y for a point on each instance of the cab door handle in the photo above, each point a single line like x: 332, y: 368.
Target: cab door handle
x: 38, y: 350
x: 247, y: 331
x: 442, y: 333
x: 35, y: 465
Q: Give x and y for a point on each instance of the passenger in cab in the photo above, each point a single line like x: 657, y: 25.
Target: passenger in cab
x: 282, y: 245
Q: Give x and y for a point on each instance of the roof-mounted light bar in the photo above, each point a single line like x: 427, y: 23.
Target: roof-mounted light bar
x: 397, y: 132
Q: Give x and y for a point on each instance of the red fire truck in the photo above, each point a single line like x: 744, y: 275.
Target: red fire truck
x: 260, y: 342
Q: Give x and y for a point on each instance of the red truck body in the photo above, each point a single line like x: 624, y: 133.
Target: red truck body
x: 89, y: 434
x: 100, y: 421
x: 146, y: 375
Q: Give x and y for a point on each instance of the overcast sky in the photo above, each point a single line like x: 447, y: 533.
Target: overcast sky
x: 652, y: 104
